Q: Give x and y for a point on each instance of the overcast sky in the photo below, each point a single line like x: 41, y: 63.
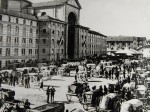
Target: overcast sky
x: 116, y: 17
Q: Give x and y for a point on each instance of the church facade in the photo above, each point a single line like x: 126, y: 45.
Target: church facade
x: 46, y: 31
x: 67, y: 38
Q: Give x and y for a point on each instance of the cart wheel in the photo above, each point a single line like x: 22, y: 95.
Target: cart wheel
x: 85, y: 106
x: 69, y: 97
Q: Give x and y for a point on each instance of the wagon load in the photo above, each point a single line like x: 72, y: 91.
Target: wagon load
x: 133, y: 105
x: 7, y: 94
x: 107, y: 101
x: 76, y: 88
x: 141, y: 91
x: 130, y: 85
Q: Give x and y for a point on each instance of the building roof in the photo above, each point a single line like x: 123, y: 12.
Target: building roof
x: 52, y: 3
x: 97, y: 33
x: 141, y: 38
x: 146, y: 46
x: 120, y: 38
x: 17, y: 14
x: 48, y: 18
x: 83, y: 27
x: 49, y: 3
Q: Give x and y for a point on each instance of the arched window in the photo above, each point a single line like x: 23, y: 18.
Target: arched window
x: 44, y: 31
x: 53, y: 32
x: 43, y: 13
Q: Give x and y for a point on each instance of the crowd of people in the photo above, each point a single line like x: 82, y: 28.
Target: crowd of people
x: 123, y: 73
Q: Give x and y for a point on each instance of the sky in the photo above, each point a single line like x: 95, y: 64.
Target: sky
x: 116, y: 17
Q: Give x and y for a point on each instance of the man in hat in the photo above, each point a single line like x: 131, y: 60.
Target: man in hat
x: 52, y: 94
x: 47, y: 93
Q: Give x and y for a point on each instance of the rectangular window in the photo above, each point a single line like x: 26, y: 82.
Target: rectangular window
x: 36, y: 51
x: 37, y: 31
x: 31, y: 30
x: 30, y: 51
x: 24, y: 31
x: 17, y: 30
x: 31, y: 23
x: 37, y: 41
x: 23, y: 52
x: 7, y: 51
x: 8, y: 40
x: 43, y: 51
x: 44, y: 41
x: 30, y: 40
x: 16, y: 51
x: 16, y: 40
x: 0, y: 51
x: 9, y: 28
x: 62, y: 51
x: 9, y: 19
x: 24, y: 40
x: 17, y: 20
x: 24, y: 21
x: 1, y: 39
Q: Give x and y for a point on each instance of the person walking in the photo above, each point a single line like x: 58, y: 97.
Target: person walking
x: 28, y: 81
x: 105, y: 90
x: 41, y: 84
x: 48, y: 93
x: 76, y: 77
x: 11, y: 80
x: 77, y: 69
x: 14, y: 80
x: 27, y: 104
x: 52, y: 94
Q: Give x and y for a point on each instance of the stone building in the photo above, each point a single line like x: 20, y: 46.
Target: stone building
x: 90, y: 42
x: 18, y: 39
x: 115, y: 43
x: 141, y: 41
x: 45, y: 31
x: 61, y: 19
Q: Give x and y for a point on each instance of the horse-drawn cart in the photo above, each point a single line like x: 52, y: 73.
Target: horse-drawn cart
x: 133, y: 105
x: 7, y: 94
x: 75, y: 89
x: 110, y: 103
